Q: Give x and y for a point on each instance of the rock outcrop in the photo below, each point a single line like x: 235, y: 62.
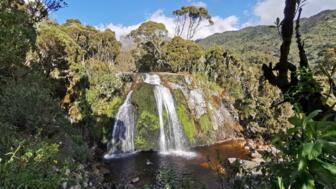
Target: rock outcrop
x: 205, y: 113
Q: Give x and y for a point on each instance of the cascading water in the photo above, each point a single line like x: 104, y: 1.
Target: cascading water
x: 172, y: 139
x: 171, y: 134
x: 123, y: 131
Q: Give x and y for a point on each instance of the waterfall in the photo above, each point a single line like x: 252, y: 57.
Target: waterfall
x: 172, y: 139
x: 171, y: 133
x: 123, y: 130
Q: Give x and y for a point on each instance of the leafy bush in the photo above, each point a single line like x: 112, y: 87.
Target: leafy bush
x: 184, y: 55
x: 34, y: 165
x: 17, y: 34
x: 22, y: 104
x: 308, y: 153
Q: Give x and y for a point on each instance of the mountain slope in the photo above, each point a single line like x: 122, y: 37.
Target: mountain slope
x: 261, y: 43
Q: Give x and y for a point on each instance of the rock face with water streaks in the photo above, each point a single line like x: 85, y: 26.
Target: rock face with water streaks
x: 212, y: 117
x: 186, y: 103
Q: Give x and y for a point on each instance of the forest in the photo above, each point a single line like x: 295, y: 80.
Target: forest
x: 80, y: 108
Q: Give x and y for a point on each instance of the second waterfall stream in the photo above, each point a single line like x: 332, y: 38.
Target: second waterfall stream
x: 171, y: 133
x: 171, y: 139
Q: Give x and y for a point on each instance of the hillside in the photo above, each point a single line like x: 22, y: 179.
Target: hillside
x: 318, y: 33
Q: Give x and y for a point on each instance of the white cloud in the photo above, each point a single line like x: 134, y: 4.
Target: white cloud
x: 221, y: 25
x: 169, y: 22
x: 268, y: 10
x: 120, y: 30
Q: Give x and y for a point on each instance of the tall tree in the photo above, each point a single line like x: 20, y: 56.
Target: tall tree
x: 296, y: 83
x: 150, y: 38
x: 189, y: 18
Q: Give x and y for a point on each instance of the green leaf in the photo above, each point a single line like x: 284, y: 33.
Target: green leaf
x: 330, y: 135
x: 314, y: 114
x: 281, y: 185
x: 328, y: 146
x: 292, y: 130
x: 311, y: 150
x: 326, y: 126
x: 330, y: 167
x: 295, y: 121
x: 302, y: 164
x: 323, y: 176
x: 309, y: 184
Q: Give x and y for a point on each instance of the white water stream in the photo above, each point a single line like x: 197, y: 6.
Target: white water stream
x: 172, y: 139
x: 171, y: 134
x: 123, y: 130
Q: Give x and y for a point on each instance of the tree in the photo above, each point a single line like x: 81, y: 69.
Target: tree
x: 306, y: 149
x: 40, y: 9
x: 17, y: 35
x: 299, y: 87
x: 190, y: 18
x: 150, y: 38
x: 101, y: 45
x: 17, y: 31
x: 149, y: 30
x: 104, y: 46
x: 184, y: 55
x: 217, y: 64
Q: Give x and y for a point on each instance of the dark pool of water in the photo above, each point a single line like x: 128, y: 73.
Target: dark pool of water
x: 155, y: 170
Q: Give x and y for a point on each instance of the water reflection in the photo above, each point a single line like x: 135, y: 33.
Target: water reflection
x: 155, y: 170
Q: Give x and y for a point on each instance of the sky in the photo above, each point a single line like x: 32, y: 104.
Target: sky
x: 122, y: 16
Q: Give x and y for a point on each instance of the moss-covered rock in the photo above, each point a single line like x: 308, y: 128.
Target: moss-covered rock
x: 148, y: 126
x: 205, y: 124
x: 185, y: 117
x: 174, y: 78
x: 147, y: 132
x: 143, y: 98
x: 199, y: 107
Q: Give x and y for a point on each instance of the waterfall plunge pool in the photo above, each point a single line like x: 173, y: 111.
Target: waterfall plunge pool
x: 155, y: 170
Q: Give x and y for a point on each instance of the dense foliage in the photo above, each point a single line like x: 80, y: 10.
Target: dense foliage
x: 36, y: 136
x: 60, y: 86
x: 308, y: 150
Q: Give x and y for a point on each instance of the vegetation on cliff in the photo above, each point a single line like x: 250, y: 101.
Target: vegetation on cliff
x: 60, y: 88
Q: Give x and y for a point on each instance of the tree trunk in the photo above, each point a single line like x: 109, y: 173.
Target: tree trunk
x: 309, y: 101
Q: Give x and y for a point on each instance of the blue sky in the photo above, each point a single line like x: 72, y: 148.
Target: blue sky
x: 129, y: 12
x: 123, y: 16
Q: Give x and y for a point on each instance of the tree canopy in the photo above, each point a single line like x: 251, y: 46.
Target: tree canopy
x: 184, y: 55
x: 189, y: 18
x: 150, y: 38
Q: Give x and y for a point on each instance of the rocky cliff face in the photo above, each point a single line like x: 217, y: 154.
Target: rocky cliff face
x: 203, y: 109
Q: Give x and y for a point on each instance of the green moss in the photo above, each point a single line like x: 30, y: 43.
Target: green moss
x: 206, y: 82
x: 140, y: 142
x: 185, y: 117
x: 205, y: 123
x: 147, y: 126
x: 178, y: 79
x: 187, y: 123
x: 143, y: 98
x: 147, y: 131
